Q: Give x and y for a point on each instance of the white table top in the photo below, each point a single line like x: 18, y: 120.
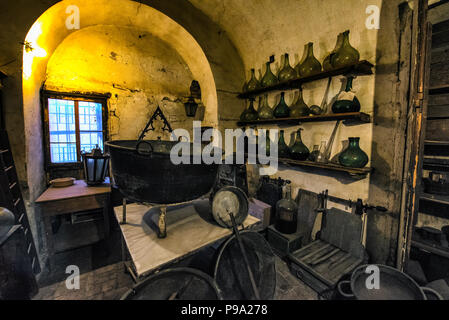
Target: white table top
x: 187, y: 232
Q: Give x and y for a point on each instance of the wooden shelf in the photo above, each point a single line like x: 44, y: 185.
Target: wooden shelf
x: 358, y: 117
x: 439, y: 89
x: 361, y: 68
x: 355, y: 172
x: 436, y: 143
x: 432, y: 248
x: 435, y: 198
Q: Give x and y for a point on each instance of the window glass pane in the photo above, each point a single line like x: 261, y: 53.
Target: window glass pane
x: 61, y: 114
x: 89, y: 140
x: 90, y: 115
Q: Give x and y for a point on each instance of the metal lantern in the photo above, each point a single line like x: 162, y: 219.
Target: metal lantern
x: 95, y: 166
x: 191, y: 107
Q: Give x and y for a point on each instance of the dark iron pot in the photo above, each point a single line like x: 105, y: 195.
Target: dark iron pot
x: 144, y: 172
x: 393, y: 285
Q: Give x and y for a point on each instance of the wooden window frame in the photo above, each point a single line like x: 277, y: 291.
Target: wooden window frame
x: 75, y: 96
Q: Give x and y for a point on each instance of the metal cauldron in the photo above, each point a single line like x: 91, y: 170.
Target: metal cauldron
x: 144, y: 172
x: 393, y: 285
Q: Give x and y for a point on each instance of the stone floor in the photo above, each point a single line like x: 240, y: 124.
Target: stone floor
x: 111, y: 282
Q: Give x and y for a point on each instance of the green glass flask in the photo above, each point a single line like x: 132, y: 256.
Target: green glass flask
x: 269, y: 78
x: 310, y: 66
x: 283, y: 150
x: 300, y: 108
x: 327, y: 65
x: 251, y: 113
x: 265, y: 112
x: 353, y: 156
x: 253, y: 83
x: 281, y: 110
x: 298, y: 150
x: 286, y: 213
x: 346, y: 100
x: 346, y: 55
x: 287, y: 72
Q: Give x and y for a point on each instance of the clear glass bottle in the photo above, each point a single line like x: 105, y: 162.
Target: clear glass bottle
x: 269, y: 78
x: 253, y: 83
x: 298, y: 150
x: 287, y: 72
x: 321, y: 157
x: 265, y: 112
x: 310, y: 65
x: 327, y: 64
x: 286, y: 213
x: 346, y: 55
x: 282, y: 110
x: 300, y: 108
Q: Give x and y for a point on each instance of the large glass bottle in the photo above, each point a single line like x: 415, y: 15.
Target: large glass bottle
x: 346, y: 100
x: 287, y: 72
x: 327, y: 64
x: 265, y: 112
x: 251, y: 113
x: 269, y: 78
x: 283, y: 150
x: 286, y: 213
x: 253, y: 83
x: 353, y: 156
x: 300, y: 108
x: 298, y: 150
x: 346, y: 55
x: 281, y: 110
x: 310, y: 65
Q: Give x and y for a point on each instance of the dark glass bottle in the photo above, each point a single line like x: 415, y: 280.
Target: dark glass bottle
x: 269, y: 78
x: 327, y: 64
x: 346, y: 101
x: 287, y: 72
x: 283, y: 150
x: 281, y: 110
x: 346, y: 55
x: 300, y: 108
x: 353, y: 156
x: 251, y: 113
x: 253, y: 83
x: 310, y: 65
x: 265, y: 112
x: 286, y: 213
x: 298, y: 150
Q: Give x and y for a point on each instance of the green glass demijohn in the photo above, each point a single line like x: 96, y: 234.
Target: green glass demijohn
x: 281, y: 110
x: 287, y: 72
x: 269, y: 79
x: 353, y: 156
x: 310, y: 66
x: 300, y: 108
x: 327, y: 65
x: 346, y: 55
x: 283, y: 150
x: 253, y: 83
x: 265, y: 112
x: 298, y: 150
x: 346, y: 100
x: 251, y: 113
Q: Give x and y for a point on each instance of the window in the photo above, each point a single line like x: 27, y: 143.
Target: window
x: 73, y: 125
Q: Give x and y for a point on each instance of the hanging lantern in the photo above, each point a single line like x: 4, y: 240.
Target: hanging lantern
x: 191, y: 107
x: 95, y: 166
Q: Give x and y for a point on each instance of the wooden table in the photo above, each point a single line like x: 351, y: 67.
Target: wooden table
x: 189, y: 228
x: 76, y: 198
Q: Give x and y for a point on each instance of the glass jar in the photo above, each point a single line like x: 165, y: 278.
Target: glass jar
x: 300, y: 108
x: 265, y: 112
x: 353, y: 156
x: 287, y: 72
x: 253, y: 83
x: 286, y: 213
x: 269, y: 79
x: 298, y: 150
x: 282, y: 110
x: 346, y: 55
x: 346, y: 100
x: 327, y: 64
x: 250, y: 114
x: 310, y: 65
x: 283, y: 150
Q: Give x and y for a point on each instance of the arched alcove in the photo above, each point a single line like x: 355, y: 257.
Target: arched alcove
x: 50, y: 36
